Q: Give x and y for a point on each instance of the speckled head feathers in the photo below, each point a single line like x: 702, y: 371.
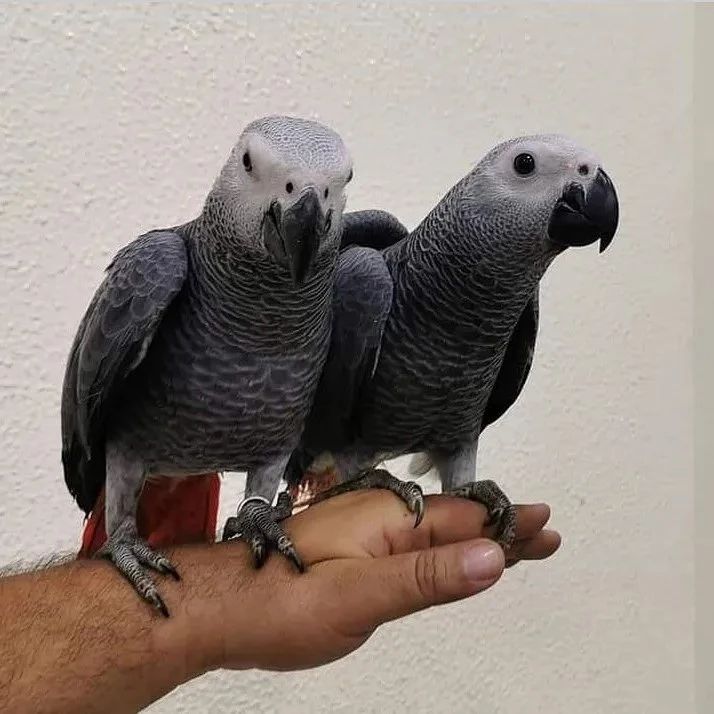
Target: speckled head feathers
x: 301, y: 143
x: 275, y: 163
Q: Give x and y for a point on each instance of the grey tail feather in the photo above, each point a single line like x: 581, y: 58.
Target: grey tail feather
x: 420, y: 464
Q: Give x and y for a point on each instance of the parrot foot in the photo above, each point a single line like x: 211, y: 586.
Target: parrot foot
x: 256, y: 523
x: 128, y: 552
x: 409, y: 491
x: 501, y: 512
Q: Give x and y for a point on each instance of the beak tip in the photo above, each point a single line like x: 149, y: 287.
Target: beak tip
x: 605, y: 241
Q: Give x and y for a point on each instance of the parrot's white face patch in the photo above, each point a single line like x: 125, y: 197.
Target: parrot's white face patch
x: 277, y: 159
x: 283, y: 176
x: 538, y: 168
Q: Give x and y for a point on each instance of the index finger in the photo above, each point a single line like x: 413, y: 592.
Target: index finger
x: 450, y: 519
x: 374, y: 523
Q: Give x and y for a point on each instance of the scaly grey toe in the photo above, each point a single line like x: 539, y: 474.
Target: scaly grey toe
x: 128, y: 553
x: 409, y: 491
x: 501, y: 511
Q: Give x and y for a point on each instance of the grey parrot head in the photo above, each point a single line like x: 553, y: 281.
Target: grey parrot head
x: 554, y: 191
x: 283, y: 188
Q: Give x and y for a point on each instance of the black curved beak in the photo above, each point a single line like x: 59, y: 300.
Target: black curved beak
x: 579, y: 219
x: 293, y: 236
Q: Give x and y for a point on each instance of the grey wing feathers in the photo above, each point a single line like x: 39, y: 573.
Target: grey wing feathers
x: 361, y: 302
x: 111, y: 341
x: 371, y: 229
x: 516, y: 364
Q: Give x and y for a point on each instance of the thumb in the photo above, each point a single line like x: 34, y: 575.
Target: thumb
x: 387, y: 588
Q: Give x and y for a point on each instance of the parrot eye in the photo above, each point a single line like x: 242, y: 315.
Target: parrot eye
x: 289, y: 186
x: 247, y: 163
x: 583, y: 169
x: 327, y: 192
x: 524, y: 164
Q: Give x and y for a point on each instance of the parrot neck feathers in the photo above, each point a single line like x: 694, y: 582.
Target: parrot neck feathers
x: 253, y: 297
x: 458, y: 266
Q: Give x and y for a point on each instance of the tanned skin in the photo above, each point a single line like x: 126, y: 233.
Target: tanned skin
x: 74, y: 637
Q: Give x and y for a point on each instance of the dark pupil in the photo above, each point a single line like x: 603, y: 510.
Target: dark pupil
x: 246, y: 161
x: 289, y: 187
x: 524, y: 164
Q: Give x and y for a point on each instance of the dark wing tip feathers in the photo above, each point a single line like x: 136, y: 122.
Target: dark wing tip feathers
x: 371, y: 229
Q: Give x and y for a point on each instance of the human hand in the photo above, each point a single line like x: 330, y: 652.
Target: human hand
x: 367, y: 565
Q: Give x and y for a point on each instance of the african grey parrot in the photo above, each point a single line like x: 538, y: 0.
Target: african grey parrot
x: 202, y: 349
x: 434, y: 331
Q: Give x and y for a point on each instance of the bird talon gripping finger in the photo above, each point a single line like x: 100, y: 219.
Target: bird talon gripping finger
x: 408, y: 491
x: 501, y: 512
x: 128, y: 552
x: 257, y: 523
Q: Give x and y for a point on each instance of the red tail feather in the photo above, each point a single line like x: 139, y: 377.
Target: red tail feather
x: 171, y: 511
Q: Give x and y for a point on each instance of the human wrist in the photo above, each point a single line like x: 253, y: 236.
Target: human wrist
x: 202, y: 633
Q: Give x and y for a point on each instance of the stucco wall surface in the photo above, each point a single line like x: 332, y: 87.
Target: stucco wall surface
x: 115, y: 118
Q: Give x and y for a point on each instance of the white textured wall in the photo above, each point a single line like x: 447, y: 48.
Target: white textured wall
x: 115, y: 120
x: 704, y: 349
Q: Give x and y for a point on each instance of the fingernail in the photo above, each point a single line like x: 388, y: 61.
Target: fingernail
x: 483, y: 561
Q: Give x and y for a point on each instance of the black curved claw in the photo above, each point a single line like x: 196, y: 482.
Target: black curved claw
x: 170, y: 570
x: 285, y: 546
x: 258, y: 548
x: 157, y: 601
x: 419, y: 508
x: 408, y: 491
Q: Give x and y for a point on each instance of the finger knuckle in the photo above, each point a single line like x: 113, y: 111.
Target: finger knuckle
x: 428, y: 574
